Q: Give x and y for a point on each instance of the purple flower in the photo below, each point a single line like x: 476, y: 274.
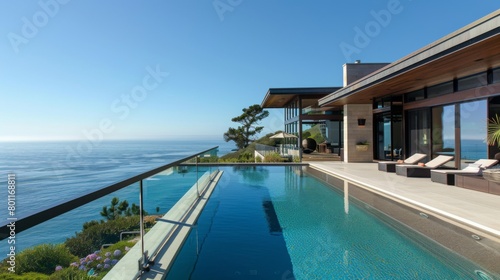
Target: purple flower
x: 75, y: 264
x: 116, y: 253
x: 92, y: 257
x: 99, y: 266
x: 58, y: 268
x: 106, y: 266
x: 107, y: 260
x: 97, y: 252
x: 82, y: 267
x: 108, y: 254
x: 98, y: 258
x: 113, y: 262
x: 127, y: 248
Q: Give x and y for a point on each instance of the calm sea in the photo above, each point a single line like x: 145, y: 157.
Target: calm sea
x: 48, y: 173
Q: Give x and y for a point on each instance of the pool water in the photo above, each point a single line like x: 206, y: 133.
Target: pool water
x: 278, y: 223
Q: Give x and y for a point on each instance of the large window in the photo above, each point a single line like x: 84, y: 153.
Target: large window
x: 443, y: 131
x: 473, y: 129
x: 419, y: 132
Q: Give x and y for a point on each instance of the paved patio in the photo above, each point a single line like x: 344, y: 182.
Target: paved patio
x: 473, y: 208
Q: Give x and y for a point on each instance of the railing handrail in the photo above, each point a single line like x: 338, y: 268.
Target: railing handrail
x: 39, y: 217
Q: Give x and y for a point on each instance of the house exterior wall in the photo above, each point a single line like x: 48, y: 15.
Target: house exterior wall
x: 356, y: 71
x: 354, y: 133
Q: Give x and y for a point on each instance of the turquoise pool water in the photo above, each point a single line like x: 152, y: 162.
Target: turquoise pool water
x: 278, y: 223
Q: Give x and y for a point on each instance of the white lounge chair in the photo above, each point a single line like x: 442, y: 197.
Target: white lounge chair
x: 390, y: 166
x: 422, y: 171
x: 448, y: 176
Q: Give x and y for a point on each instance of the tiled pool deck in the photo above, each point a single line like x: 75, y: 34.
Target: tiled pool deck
x: 471, y: 208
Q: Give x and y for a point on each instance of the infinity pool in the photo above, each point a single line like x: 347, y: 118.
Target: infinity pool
x: 279, y: 223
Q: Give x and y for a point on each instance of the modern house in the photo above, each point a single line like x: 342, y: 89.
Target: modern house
x: 436, y: 100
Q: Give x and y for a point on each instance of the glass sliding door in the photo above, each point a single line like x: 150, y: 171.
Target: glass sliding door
x: 473, y: 131
x: 383, y: 148
x: 443, y: 132
x: 419, y: 133
x: 388, y: 136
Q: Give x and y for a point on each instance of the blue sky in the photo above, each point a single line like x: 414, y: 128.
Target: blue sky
x: 73, y: 69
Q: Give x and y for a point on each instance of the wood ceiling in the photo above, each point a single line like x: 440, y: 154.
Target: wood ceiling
x: 472, y: 59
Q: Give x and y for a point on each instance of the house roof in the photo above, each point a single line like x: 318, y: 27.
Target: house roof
x: 469, y: 50
x: 280, y: 97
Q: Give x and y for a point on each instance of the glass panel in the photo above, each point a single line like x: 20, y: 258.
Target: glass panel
x: 493, y: 111
x: 104, y: 235
x: 91, y: 233
x: 415, y: 95
x: 336, y: 135
x: 397, y: 136
x: 419, y: 132
x: 473, y: 129
x: 443, y: 131
x: 384, y: 149
x: 472, y: 81
x: 496, y: 76
x: 440, y: 89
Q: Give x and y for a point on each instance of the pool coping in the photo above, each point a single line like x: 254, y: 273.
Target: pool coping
x: 167, y: 236
x: 166, y: 256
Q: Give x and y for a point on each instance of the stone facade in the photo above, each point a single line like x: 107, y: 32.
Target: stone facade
x: 353, y: 133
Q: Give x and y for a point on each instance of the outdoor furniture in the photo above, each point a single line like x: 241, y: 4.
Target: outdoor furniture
x: 448, y: 176
x: 422, y: 171
x: 390, y: 166
x: 477, y: 183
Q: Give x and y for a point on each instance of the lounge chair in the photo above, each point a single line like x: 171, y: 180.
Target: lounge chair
x: 448, y: 176
x: 422, y: 171
x: 390, y: 166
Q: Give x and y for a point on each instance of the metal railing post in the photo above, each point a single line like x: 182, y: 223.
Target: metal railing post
x: 141, y: 225
x: 197, y: 178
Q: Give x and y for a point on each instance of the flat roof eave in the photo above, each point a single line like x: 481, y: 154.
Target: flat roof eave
x: 280, y: 97
x: 455, y: 45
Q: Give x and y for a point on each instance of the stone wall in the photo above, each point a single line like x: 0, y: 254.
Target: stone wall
x: 354, y: 133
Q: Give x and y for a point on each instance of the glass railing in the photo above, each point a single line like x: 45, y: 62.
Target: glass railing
x: 115, y: 231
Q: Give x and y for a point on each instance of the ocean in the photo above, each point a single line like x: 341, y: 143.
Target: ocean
x: 48, y: 173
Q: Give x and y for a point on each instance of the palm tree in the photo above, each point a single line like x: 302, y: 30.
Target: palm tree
x: 493, y: 131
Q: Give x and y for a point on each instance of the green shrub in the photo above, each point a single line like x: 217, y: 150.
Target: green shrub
x: 273, y: 157
x: 245, y: 156
x: 25, y: 276
x: 258, y: 159
x: 70, y: 273
x: 93, y: 237
x: 43, y: 258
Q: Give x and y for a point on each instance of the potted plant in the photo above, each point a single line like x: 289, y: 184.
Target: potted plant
x: 362, y: 146
x: 493, y: 139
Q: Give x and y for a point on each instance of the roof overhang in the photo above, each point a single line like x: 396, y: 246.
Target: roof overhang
x: 281, y: 97
x: 469, y: 50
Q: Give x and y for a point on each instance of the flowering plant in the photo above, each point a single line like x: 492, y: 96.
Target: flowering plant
x: 100, y: 262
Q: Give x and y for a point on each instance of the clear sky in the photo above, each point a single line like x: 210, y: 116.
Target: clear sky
x: 74, y: 69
